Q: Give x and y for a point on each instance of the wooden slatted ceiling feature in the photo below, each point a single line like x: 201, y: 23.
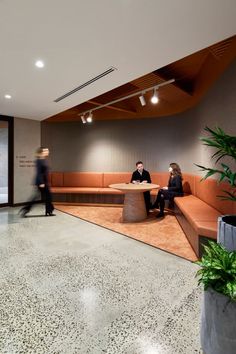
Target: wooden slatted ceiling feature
x: 194, y: 75
x: 118, y: 92
x: 219, y: 49
x: 147, y: 81
x: 186, y: 68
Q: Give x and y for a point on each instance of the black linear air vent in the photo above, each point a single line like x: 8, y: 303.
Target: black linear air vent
x: 108, y: 71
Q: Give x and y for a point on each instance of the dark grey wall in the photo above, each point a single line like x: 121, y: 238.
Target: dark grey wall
x: 117, y: 145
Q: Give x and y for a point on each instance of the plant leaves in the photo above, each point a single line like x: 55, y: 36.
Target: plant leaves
x: 218, y: 269
x: 225, y: 146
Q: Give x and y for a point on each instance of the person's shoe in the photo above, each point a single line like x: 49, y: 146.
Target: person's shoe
x: 160, y: 215
x: 23, y: 212
x: 49, y: 213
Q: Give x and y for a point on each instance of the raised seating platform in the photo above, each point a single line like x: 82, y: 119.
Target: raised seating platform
x: 197, y: 211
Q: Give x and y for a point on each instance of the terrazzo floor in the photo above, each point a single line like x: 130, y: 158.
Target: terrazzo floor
x: 70, y: 287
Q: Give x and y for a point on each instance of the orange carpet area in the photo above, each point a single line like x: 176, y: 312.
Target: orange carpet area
x: 165, y: 234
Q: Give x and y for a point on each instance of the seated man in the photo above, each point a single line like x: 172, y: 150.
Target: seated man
x: 141, y: 175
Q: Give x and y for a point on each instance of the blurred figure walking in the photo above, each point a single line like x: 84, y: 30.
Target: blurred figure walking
x: 42, y: 184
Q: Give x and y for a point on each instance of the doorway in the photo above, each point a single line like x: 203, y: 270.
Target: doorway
x: 6, y: 158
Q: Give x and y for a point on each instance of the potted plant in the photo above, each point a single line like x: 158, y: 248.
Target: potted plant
x: 225, y: 146
x: 218, y: 275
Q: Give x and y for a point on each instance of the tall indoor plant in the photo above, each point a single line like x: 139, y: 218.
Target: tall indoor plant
x: 218, y: 264
x: 225, y: 147
x: 218, y: 275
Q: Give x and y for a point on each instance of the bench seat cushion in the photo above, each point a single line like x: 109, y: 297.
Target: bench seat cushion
x: 85, y: 190
x: 81, y: 190
x: 207, y: 228
x: 110, y: 191
x: 199, y: 214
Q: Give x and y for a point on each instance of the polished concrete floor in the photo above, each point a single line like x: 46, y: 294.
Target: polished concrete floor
x: 71, y: 287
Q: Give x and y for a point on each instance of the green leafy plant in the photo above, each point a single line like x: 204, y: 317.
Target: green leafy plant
x: 225, y: 146
x: 218, y: 269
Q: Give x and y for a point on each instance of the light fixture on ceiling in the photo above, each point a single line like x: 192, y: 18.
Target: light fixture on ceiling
x: 39, y: 64
x: 83, y: 119
x: 142, y: 99
x: 7, y: 96
x: 154, y: 98
x: 90, y: 118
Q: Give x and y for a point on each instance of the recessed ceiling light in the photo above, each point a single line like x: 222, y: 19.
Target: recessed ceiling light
x: 39, y: 64
x: 8, y: 97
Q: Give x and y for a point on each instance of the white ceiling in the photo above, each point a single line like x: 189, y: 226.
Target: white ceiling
x: 80, y: 39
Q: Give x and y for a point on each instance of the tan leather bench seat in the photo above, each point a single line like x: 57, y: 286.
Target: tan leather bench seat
x: 110, y: 191
x: 197, y: 211
x: 81, y: 190
x: 87, y: 187
x: 200, y: 215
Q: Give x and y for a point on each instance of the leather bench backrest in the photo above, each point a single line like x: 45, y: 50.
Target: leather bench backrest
x: 208, y: 190
x: 188, y: 183
x: 83, y: 179
x: 50, y: 178
x: 116, y: 177
x: 160, y: 178
x: 56, y: 179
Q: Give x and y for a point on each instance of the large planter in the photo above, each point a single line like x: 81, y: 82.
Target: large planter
x: 227, y: 232
x: 218, y: 324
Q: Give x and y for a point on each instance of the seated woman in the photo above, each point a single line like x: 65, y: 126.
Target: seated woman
x: 174, y: 189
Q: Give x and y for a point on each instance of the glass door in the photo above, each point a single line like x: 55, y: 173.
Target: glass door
x: 5, y: 165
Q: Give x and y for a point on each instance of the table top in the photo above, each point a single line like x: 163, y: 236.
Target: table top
x: 134, y: 187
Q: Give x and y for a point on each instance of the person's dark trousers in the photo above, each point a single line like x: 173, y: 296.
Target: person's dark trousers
x: 34, y: 199
x: 161, y: 197
x: 147, y: 200
x: 47, y: 199
x: 165, y: 195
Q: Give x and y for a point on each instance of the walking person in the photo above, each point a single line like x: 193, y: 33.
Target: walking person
x: 173, y: 189
x: 42, y: 184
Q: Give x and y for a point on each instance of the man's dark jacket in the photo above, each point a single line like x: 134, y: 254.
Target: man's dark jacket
x: 145, y: 176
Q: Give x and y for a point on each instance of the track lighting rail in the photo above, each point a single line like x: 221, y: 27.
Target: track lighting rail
x: 89, y: 111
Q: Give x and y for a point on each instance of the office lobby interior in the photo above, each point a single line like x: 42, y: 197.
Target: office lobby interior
x: 104, y: 85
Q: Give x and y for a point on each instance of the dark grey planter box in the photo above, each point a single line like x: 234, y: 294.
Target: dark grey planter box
x: 218, y: 324
x: 227, y: 232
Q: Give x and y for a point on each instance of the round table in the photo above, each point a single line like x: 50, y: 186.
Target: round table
x: 134, y: 205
